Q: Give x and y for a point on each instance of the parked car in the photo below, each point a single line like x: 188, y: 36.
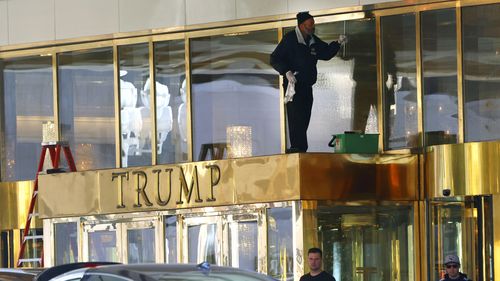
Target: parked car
x: 53, y: 272
x: 166, y: 272
x: 11, y: 274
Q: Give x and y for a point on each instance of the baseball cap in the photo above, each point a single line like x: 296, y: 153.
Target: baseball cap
x: 451, y: 259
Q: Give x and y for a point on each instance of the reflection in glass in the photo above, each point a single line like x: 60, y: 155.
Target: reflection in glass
x: 135, y: 113
x: 33, y: 248
x: 366, y: 243
x: 345, y: 95
x: 399, y: 81
x: 26, y: 103
x: 141, y: 245
x: 102, y: 246
x: 481, y: 67
x: 65, y: 243
x: 439, y: 68
x: 243, y: 245
x: 203, y: 244
x: 233, y: 84
x: 86, y: 106
x: 171, y: 239
x: 171, y: 113
x: 279, y: 239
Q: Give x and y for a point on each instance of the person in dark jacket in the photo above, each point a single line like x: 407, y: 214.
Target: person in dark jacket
x: 295, y: 58
x: 452, y: 264
x: 315, y: 260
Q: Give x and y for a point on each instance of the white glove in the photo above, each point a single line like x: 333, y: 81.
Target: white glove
x: 290, y: 92
x: 390, y: 82
x: 291, y: 77
x: 342, y: 39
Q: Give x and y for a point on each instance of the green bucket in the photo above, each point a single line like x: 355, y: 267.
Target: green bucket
x: 353, y: 142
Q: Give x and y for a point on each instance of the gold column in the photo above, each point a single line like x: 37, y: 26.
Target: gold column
x: 152, y: 96
x: 420, y: 110
x: 283, y: 120
x: 496, y: 235
x: 309, y: 232
x: 189, y: 111
x: 460, y: 91
x: 380, y: 83
x: 55, y: 95
x: 116, y: 89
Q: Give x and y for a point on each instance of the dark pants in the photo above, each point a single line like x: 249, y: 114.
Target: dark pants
x: 299, y: 114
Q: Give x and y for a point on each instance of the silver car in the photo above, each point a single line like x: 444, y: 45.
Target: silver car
x: 11, y: 274
x: 167, y: 272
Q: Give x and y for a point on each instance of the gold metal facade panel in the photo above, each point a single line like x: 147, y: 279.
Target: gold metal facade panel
x: 70, y: 195
x: 465, y: 169
x: 15, y: 198
x: 162, y: 187
x: 356, y: 177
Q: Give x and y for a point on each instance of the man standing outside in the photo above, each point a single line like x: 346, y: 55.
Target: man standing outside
x: 315, y: 260
x: 295, y: 58
x: 452, y: 264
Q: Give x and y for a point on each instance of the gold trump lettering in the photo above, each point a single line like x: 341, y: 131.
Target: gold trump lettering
x: 164, y: 187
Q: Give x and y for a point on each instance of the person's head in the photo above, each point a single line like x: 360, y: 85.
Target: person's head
x: 452, y: 264
x: 314, y: 258
x: 305, y: 23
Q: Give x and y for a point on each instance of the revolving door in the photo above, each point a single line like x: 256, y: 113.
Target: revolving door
x: 367, y: 242
x: 462, y: 226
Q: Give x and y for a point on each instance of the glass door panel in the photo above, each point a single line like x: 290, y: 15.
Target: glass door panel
x: 203, y: 238
x: 243, y: 242
x: 140, y: 242
x: 102, y: 242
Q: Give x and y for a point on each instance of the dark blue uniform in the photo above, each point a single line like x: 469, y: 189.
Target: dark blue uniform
x: 461, y: 277
x: 292, y: 55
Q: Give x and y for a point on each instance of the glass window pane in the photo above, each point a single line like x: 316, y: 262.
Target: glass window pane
x: 203, y: 243
x: 102, y: 246
x: 399, y: 81
x: 65, y: 243
x: 86, y: 106
x: 361, y: 242
x: 171, y: 110
x: 26, y: 103
x: 235, y: 94
x: 171, y: 239
x: 481, y: 67
x: 141, y: 245
x: 439, y: 67
x: 345, y: 94
x: 280, y: 239
x: 134, y: 105
x: 243, y: 245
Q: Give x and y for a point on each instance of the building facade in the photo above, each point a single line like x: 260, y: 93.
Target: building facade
x: 178, y: 131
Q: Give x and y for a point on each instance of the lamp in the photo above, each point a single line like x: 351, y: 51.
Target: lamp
x: 239, y: 140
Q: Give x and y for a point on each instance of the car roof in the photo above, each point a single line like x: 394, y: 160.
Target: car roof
x: 52, y: 272
x: 8, y: 274
x: 173, y: 271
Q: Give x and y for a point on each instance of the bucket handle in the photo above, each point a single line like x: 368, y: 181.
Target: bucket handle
x: 332, y: 142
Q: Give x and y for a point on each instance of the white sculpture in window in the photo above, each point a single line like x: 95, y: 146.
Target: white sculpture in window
x: 163, y: 113
x: 181, y: 118
x: 131, y: 121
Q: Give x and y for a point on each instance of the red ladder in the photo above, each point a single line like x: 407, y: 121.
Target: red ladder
x: 54, y: 149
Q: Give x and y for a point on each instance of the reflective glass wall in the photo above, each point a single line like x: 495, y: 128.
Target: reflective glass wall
x: 235, y: 95
x: 345, y: 95
x: 171, y: 102
x: 86, y: 107
x: 481, y: 67
x: 399, y: 84
x: 135, y: 110
x: 439, y: 69
x: 26, y: 96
